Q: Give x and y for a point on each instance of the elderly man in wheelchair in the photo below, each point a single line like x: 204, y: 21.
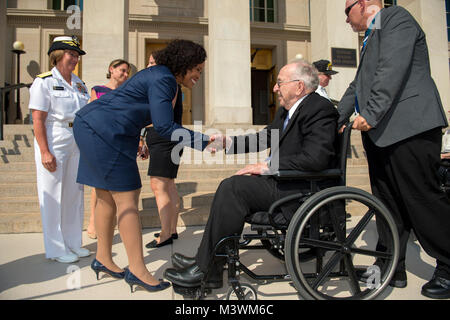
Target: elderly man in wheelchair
x: 289, y: 204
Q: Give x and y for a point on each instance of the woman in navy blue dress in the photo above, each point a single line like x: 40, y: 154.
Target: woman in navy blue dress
x: 107, y: 132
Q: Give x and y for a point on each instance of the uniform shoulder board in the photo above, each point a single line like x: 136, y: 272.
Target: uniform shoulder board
x: 45, y: 75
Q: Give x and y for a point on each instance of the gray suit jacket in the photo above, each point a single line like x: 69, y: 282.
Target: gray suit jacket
x: 396, y: 94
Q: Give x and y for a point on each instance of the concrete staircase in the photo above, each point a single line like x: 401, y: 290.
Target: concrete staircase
x: 197, y: 182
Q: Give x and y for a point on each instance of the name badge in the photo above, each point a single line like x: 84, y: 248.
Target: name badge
x: 58, y: 88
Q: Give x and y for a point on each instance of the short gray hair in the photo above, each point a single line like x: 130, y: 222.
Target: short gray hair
x: 307, y: 73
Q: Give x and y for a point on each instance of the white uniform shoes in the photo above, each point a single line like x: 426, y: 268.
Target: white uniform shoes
x: 67, y: 258
x: 73, y: 257
x: 81, y: 252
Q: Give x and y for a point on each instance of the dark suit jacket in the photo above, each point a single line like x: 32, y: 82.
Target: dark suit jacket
x: 393, y: 83
x: 307, y: 143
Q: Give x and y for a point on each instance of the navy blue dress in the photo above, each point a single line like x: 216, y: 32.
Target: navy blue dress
x: 107, y: 130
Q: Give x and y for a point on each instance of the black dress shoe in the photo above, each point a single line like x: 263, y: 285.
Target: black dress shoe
x: 437, y: 288
x: 174, y: 235
x: 155, y: 244
x: 180, y: 261
x: 191, y: 277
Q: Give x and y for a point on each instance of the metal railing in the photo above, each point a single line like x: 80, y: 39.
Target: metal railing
x: 3, y: 92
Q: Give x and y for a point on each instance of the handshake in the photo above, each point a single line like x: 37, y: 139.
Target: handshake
x: 218, y: 142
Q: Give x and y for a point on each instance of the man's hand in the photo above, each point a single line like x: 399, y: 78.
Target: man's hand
x: 254, y: 169
x: 361, y: 124
x: 218, y: 142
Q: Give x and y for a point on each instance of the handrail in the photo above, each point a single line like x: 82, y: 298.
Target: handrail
x: 3, y: 91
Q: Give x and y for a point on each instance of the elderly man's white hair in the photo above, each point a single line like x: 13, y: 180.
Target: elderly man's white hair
x: 307, y: 73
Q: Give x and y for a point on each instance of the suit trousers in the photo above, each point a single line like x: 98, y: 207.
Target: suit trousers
x: 404, y: 176
x: 236, y: 198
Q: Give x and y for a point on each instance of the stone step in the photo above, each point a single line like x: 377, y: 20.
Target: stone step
x: 31, y: 221
x: 15, y: 189
x: 147, y: 201
x: 183, y: 186
x: 12, y: 222
x: 183, y: 174
x: 28, y: 174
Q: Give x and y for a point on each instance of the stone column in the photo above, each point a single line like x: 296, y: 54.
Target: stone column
x: 3, y: 41
x: 329, y: 29
x: 229, y: 63
x: 430, y: 14
x: 105, y: 37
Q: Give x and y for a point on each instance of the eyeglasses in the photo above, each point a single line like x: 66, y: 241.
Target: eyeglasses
x: 279, y: 83
x: 349, y: 8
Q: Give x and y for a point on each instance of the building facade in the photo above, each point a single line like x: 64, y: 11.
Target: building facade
x: 247, y: 42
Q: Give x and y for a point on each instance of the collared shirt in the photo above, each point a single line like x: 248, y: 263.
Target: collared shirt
x: 295, y: 106
x: 321, y: 90
x: 373, y: 25
x: 58, y: 98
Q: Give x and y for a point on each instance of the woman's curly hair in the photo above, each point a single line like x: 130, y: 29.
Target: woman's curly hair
x: 180, y: 56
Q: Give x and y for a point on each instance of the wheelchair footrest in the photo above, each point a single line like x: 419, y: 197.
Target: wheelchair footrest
x: 261, y: 227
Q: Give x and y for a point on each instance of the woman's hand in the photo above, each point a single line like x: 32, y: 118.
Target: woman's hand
x: 218, y: 142
x: 48, y: 161
x: 142, y: 150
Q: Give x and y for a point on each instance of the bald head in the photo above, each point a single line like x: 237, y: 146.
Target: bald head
x: 360, y: 13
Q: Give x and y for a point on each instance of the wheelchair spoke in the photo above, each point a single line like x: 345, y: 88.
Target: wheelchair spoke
x: 360, y: 227
x: 354, y: 285
x: 327, y: 269
x: 320, y: 244
x: 378, y: 254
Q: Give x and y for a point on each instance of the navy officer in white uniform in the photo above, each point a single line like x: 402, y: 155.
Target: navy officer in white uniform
x: 55, y: 97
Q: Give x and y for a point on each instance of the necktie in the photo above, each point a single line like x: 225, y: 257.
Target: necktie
x: 286, y: 121
x: 366, y: 37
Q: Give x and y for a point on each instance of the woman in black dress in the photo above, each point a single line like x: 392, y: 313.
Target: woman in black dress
x: 163, y: 171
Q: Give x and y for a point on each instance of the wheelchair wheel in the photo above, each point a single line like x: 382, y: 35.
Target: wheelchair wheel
x: 248, y: 291
x: 347, y: 247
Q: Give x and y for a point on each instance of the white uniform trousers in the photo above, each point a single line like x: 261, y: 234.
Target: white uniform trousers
x: 61, y: 198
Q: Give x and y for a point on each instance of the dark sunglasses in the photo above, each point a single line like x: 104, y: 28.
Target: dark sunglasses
x: 349, y: 8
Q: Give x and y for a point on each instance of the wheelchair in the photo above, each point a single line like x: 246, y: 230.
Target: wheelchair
x: 329, y: 243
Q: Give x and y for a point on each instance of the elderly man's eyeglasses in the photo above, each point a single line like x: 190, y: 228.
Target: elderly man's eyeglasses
x: 279, y: 83
x: 349, y: 8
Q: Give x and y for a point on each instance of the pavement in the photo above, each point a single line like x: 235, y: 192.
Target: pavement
x: 25, y: 273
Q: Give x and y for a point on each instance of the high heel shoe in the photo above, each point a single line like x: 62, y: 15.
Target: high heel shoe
x: 99, y: 267
x: 132, y: 280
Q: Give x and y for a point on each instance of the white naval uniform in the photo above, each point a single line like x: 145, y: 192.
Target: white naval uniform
x: 61, y: 199
x: 321, y: 90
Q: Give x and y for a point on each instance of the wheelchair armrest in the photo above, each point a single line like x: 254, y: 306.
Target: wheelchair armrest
x: 281, y: 201
x: 306, y: 175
